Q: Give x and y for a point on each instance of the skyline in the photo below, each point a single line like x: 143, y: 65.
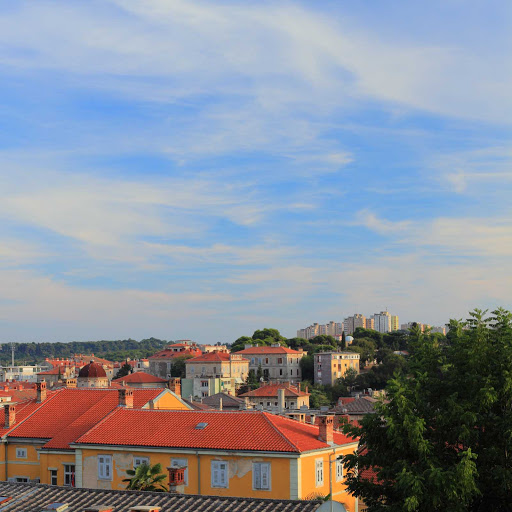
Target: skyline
x: 189, y: 168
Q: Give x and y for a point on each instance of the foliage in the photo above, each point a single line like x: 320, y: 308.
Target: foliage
x: 125, y: 370
x: 32, y: 353
x: 307, y: 366
x: 365, y: 347
x: 146, y: 478
x: 343, y: 344
x: 323, y: 339
x: 178, y: 367
x: 319, y: 396
x: 444, y: 439
x: 261, y: 337
x: 371, y: 334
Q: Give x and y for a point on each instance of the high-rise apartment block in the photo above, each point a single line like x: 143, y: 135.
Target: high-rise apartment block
x: 370, y: 323
x: 441, y: 330
x: 382, y: 321
x: 395, y: 325
x: 330, y: 329
x: 409, y: 325
x: 351, y: 323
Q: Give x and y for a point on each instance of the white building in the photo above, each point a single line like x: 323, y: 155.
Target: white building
x: 382, y: 321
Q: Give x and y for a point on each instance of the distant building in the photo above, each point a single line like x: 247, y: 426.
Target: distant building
x: 330, y: 366
x: 23, y: 373
x: 370, y: 323
x: 268, y: 397
x: 141, y: 380
x: 441, y: 330
x: 330, y: 329
x: 395, y: 324
x: 409, y: 325
x: 279, y: 364
x: 92, y: 375
x: 214, y: 348
x: 351, y: 323
x: 382, y: 321
x: 160, y: 364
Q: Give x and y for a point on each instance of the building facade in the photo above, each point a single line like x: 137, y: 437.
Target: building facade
x: 395, y: 324
x: 330, y: 366
x: 382, y: 321
x: 277, y: 397
x: 331, y: 329
x: 279, y: 364
x: 351, y: 323
x: 160, y: 364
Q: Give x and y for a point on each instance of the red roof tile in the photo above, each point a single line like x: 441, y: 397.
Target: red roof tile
x: 269, y: 350
x: 272, y: 390
x: 69, y: 413
x: 214, y: 357
x: 23, y: 410
x: 139, y: 378
x: 244, y: 430
x: 170, y: 354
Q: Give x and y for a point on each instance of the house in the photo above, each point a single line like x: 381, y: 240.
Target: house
x: 268, y: 397
x: 141, y: 379
x: 160, y: 364
x: 225, y: 402
x: 279, y: 364
x: 214, y: 372
x: 249, y: 454
x: 37, y: 433
x: 16, y: 497
x: 331, y: 366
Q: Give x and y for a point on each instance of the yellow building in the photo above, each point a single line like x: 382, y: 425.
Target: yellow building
x: 330, y: 366
x: 395, y: 324
x: 37, y: 433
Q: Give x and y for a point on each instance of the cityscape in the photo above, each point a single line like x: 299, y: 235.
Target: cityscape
x: 255, y: 256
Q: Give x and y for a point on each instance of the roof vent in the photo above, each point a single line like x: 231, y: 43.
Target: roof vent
x: 201, y: 426
x: 56, y: 507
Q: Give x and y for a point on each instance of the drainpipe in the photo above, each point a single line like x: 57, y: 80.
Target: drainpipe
x: 6, y: 460
x: 330, y: 478
x: 198, y: 473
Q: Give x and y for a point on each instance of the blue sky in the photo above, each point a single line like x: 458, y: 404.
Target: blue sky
x: 202, y: 169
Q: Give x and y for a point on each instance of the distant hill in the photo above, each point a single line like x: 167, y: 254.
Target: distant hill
x: 113, y: 350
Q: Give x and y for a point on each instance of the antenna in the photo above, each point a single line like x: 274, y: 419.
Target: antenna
x: 13, y: 348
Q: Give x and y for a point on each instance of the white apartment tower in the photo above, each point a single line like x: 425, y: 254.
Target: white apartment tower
x: 382, y: 321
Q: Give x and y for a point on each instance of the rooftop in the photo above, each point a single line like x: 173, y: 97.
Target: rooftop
x: 35, y: 497
x: 272, y: 390
x: 243, y: 430
x: 213, y: 357
x: 139, y: 378
x: 270, y: 350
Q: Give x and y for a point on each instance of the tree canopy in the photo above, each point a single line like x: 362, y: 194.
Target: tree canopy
x: 443, y: 440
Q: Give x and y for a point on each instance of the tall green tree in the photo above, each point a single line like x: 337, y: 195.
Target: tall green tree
x: 443, y: 441
x: 146, y: 478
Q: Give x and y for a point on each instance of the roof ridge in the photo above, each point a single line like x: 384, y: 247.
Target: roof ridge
x: 267, y: 416
x: 96, y: 425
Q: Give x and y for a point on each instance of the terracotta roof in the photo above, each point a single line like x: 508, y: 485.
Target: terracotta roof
x: 170, y: 354
x: 92, y: 370
x: 23, y: 410
x: 36, y: 497
x: 244, y: 430
x: 68, y: 413
x: 272, y: 390
x: 269, y: 350
x: 139, y: 378
x: 213, y: 357
x: 55, y: 371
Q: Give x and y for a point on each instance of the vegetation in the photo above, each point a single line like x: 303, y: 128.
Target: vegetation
x: 443, y: 441
x: 178, y: 368
x: 146, y: 478
x: 32, y: 353
x: 125, y: 370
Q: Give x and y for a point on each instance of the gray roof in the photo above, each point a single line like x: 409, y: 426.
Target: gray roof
x: 363, y: 405
x: 228, y: 401
x: 35, y: 497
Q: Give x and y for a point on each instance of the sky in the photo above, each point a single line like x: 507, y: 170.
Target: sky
x: 202, y: 169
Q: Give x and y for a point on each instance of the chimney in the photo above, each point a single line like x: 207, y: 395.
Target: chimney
x: 176, y: 479
x: 175, y: 385
x: 41, y: 391
x: 10, y: 415
x: 325, y: 433
x: 281, y: 400
x: 220, y: 404
x: 20, y: 387
x: 126, y: 398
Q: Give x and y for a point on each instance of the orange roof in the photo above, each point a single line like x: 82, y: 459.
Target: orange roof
x: 23, y: 410
x: 269, y: 350
x: 213, y: 357
x: 170, y: 354
x: 244, y: 430
x: 140, y: 378
x: 272, y: 390
x: 68, y: 413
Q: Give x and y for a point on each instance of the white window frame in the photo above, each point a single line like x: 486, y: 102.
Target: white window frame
x: 319, y: 472
x: 219, y: 474
x: 138, y: 461
x: 54, y: 473
x: 21, y: 479
x: 261, y: 476
x: 21, y: 453
x: 339, y: 470
x: 105, y: 467
x: 69, y: 474
x: 179, y: 463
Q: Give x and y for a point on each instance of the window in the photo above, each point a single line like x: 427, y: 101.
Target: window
x: 69, y: 475
x: 279, y: 360
x: 219, y: 474
x: 266, y: 360
x: 261, y: 476
x: 21, y: 453
x: 22, y: 479
x: 179, y: 463
x: 280, y: 371
x: 105, y: 467
x: 138, y: 461
x: 191, y: 369
x: 203, y: 370
x: 53, y: 477
x: 339, y: 470
x: 319, y: 472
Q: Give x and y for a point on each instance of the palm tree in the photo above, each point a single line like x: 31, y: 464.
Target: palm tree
x: 146, y: 478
